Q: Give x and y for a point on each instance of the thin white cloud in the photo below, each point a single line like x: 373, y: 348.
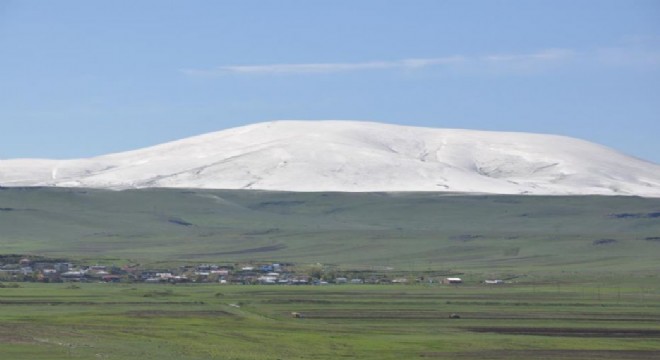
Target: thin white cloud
x: 305, y: 68
x: 546, y: 55
x: 524, y: 63
x: 497, y: 63
x: 321, y: 68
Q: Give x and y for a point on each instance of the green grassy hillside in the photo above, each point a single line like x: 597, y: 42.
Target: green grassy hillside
x: 401, y: 230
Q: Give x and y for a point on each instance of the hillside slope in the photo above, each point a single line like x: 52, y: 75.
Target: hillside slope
x: 420, y: 230
x: 355, y: 157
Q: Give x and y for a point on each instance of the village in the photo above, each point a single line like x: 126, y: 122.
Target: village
x: 19, y: 268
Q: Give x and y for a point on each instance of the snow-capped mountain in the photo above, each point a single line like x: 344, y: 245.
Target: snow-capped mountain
x: 355, y: 156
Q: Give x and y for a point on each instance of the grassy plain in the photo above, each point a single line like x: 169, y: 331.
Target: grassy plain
x: 523, y: 321
x: 583, y: 270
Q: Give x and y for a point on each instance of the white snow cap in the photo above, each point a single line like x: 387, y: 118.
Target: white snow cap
x: 355, y: 156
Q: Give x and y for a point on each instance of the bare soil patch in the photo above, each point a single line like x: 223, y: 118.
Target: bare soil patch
x: 412, y: 314
x: 547, y: 354
x: 571, y: 332
x: 178, y: 313
x: 12, y: 335
x: 376, y: 314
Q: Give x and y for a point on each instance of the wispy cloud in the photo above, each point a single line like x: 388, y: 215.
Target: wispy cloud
x: 322, y: 67
x: 524, y: 63
x: 546, y: 55
x: 496, y: 62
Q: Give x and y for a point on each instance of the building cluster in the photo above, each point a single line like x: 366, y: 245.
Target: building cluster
x: 272, y: 273
x: 44, y: 270
x: 14, y: 268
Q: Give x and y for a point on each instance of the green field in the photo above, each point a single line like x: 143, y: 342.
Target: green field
x: 620, y: 320
x: 583, y: 275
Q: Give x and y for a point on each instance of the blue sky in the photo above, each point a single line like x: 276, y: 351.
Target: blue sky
x: 85, y: 78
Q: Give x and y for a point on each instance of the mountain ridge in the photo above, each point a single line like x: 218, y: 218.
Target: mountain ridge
x: 351, y: 156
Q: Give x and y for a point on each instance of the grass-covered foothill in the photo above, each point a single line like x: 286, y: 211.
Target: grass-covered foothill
x: 526, y: 321
x: 411, y: 231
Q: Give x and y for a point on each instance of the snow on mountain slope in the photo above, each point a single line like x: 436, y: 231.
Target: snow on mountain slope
x: 355, y: 156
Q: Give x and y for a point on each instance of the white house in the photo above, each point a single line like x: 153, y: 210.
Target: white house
x: 452, y: 280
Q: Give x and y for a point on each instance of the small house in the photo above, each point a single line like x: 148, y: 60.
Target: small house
x: 493, y: 282
x: 452, y: 280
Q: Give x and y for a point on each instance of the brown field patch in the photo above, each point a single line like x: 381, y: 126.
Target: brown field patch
x: 547, y: 355
x: 12, y: 335
x: 375, y: 314
x: 570, y: 332
x: 414, y: 314
x: 179, y: 313
x: 92, y: 303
